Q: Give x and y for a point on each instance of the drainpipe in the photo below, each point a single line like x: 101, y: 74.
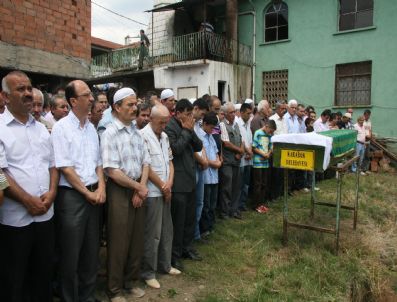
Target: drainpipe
x: 253, y: 13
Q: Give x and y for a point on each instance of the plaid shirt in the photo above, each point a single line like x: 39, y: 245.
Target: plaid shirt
x: 123, y: 148
x: 3, y: 181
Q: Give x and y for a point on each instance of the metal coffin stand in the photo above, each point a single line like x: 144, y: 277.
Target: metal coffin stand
x: 341, y: 165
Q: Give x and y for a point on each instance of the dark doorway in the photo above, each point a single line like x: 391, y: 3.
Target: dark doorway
x: 221, y: 90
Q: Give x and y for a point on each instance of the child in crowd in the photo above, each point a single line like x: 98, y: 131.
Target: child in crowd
x: 207, y: 220
x: 3, y: 185
x: 262, y: 148
x: 309, y: 124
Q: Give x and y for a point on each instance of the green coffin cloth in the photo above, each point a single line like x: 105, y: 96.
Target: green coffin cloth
x: 343, y: 141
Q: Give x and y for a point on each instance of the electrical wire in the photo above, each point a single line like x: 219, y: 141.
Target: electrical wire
x: 120, y: 15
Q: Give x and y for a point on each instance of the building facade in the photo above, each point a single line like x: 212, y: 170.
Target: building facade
x: 50, y: 40
x: 330, y: 54
x: 182, y: 55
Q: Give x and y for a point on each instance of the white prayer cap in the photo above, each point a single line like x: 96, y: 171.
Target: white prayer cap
x: 237, y: 107
x: 166, y: 93
x: 248, y: 101
x: 122, y: 93
x: 348, y: 115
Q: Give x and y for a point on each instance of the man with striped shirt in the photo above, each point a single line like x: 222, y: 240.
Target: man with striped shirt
x: 126, y: 161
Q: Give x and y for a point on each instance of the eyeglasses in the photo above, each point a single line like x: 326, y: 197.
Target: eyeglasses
x: 85, y: 94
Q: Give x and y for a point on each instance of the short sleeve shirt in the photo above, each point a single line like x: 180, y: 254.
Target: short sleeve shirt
x: 26, y: 153
x: 77, y: 147
x: 368, y: 127
x: 160, y: 156
x: 360, y: 132
x: 261, y: 141
x: 123, y: 148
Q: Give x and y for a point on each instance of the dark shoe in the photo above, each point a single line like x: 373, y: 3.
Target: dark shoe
x: 205, y: 234
x: 192, y: 255
x: 177, y: 264
x: 237, y: 216
x: 243, y: 209
x: 223, y: 216
x: 202, y: 240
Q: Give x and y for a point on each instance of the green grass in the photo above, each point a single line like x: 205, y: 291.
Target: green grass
x: 246, y: 261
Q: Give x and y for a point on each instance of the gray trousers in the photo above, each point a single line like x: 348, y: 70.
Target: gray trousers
x: 125, y: 239
x: 229, y: 189
x: 77, y: 224
x: 158, y: 237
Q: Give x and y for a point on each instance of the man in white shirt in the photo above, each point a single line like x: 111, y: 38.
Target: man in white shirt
x: 81, y: 190
x: 26, y: 224
x: 37, y: 109
x: 278, y: 118
x: 277, y: 175
x: 158, y: 226
x: 59, y: 109
x: 321, y: 124
x: 244, y: 123
x: 367, y: 124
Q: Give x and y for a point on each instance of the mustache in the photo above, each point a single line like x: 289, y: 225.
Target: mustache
x: 27, y: 98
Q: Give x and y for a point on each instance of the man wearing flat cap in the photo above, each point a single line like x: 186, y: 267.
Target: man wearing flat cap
x: 126, y: 161
x: 167, y: 98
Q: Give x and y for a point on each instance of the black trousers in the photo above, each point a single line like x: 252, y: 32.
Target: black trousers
x: 277, y: 182
x: 26, y: 262
x: 183, y: 212
x: 261, y: 186
x: 78, y: 236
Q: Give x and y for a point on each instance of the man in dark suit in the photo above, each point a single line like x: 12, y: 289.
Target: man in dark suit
x: 184, y: 142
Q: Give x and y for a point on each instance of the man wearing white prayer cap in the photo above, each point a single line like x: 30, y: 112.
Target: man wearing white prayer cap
x: 167, y: 98
x: 108, y: 114
x: 126, y: 161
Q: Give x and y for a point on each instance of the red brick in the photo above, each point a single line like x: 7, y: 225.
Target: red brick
x: 28, y: 4
x: 31, y: 12
x: 41, y: 24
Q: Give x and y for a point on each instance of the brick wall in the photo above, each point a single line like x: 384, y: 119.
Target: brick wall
x: 57, y: 26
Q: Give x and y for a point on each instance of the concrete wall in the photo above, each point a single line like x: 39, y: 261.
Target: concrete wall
x: 49, y: 36
x: 161, y: 29
x: 205, y: 76
x: 314, y: 48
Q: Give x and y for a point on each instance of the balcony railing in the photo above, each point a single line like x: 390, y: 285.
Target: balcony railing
x: 198, y: 45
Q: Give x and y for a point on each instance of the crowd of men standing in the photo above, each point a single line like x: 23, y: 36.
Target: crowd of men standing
x: 156, y: 175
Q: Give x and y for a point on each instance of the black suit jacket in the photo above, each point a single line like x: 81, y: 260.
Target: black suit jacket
x: 183, y: 144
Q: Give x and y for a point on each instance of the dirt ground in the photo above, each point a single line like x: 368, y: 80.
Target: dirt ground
x: 173, y: 288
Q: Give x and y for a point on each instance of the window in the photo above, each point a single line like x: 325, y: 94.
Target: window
x: 353, y: 84
x: 276, y: 21
x: 275, y: 86
x: 355, y: 14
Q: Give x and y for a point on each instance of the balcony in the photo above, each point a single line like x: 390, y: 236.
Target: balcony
x: 194, y: 46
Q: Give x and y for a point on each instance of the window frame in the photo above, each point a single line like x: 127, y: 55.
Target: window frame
x: 283, y: 7
x: 282, y: 93
x: 354, y: 75
x: 355, y: 12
